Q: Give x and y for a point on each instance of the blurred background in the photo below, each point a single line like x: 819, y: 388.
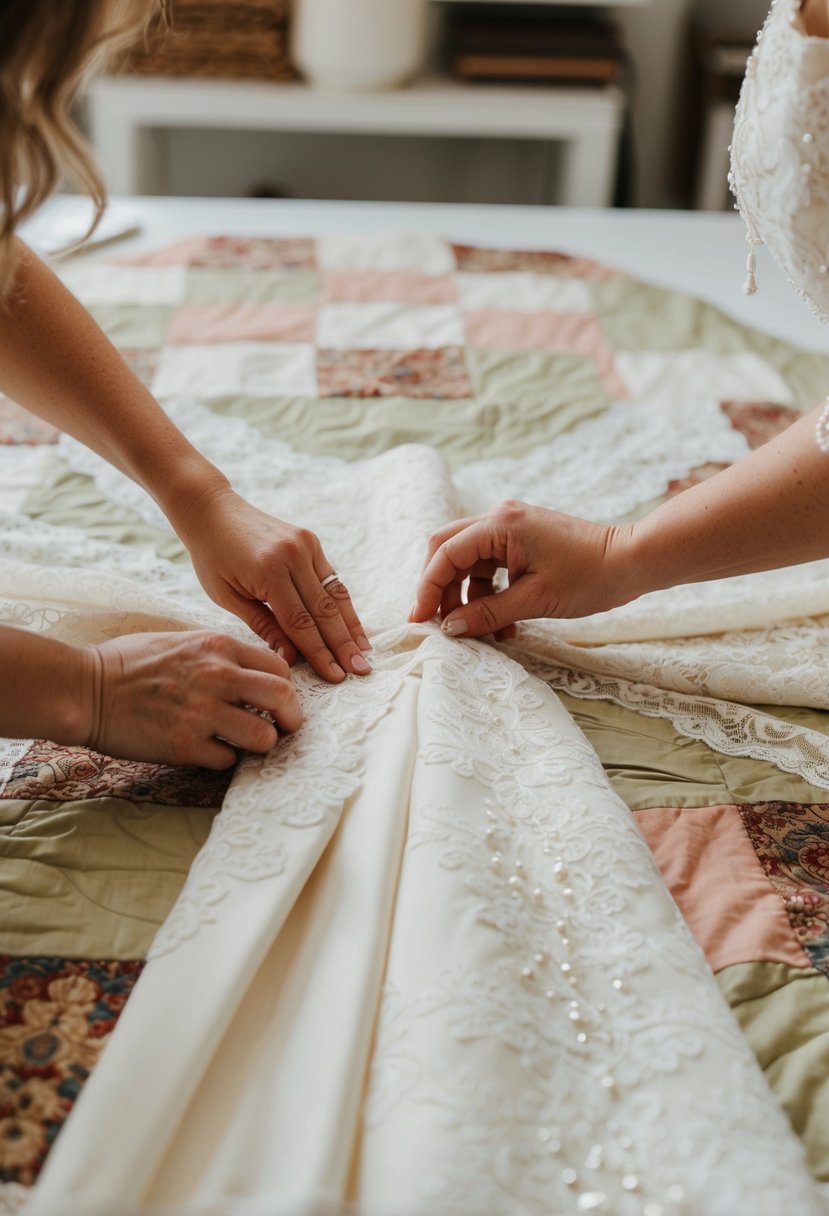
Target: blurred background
x: 628, y: 103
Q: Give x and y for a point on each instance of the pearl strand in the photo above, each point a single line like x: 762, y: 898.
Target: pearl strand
x: 822, y: 429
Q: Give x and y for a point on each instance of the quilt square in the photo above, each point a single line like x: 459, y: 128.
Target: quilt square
x: 19, y: 426
x: 136, y: 326
x: 231, y: 253
x: 143, y: 362
x: 255, y: 253
x: 207, y: 285
x: 398, y: 286
x: 759, y: 421
x: 388, y: 326
x: 196, y: 324
x: 416, y: 251
x: 687, y: 376
x: 539, y: 381
x: 99, y: 283
x: 56, y: 1016
x: 712, y: 870
x: 522, y: 292
x: 792, y: 843
x: 255, y: 369
x: 568, y: 333
x: 475, y: 259
x: 49, y: 772
x: 435, y: 374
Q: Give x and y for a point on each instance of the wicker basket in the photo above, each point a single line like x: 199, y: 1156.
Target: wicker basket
x: 239, y: 39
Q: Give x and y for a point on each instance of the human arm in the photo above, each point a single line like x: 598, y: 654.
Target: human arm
x: 815, y: 14
x: 175, y: 698
x: 56, y: 362
x: 768, y: 510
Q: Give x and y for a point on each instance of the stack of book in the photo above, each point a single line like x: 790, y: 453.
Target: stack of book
x: 216, y: 38
x: 532, y: 43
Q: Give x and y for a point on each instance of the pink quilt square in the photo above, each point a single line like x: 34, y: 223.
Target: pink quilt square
x: 394, y: 286
x: 711, y: 868
x: 202, y: 324
x: 231, y: 253
x: 143, y: 362
x: 563, y: 332
x: 759, y: 421
x: 19, y: 426
x: 435, y: 373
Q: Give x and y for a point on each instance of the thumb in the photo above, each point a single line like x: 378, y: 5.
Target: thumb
x: 261, y: 621
x: 488, y: 614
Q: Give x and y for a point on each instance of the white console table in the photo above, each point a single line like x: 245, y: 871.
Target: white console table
x: 129, y: 114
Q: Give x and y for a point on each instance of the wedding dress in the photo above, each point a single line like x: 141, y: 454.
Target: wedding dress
x: 425, y: 962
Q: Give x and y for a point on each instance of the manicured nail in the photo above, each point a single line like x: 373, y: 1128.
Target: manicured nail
x: 359, y: 665
x: 363, y: 642
x: 337, y: 671
x: 455, y: 628
x: 281, y: 652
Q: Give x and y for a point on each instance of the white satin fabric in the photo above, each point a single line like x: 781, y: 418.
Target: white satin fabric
x: 425, y: 963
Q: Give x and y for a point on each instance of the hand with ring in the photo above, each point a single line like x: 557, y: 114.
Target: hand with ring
x: 277, y: 579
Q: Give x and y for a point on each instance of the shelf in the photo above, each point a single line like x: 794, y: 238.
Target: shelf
x: 560, y: 3
x: 127, y: 113
x: 431, y: 106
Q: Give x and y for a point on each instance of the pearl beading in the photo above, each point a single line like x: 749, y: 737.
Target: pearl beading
x: 613, y: 1157
x: 822, y: 429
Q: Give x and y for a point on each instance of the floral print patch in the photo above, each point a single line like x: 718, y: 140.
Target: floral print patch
x: 64, y: 774
x: 55, y: 1018
x: 792, y: 844
x: 439, y: 373
x: 471, y: 259
x: 255, y: 253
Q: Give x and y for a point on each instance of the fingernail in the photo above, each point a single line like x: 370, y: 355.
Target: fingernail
x: 281, y: 652
x: 337, y: 671
x: 363, y: 642
x: 359, y: 665
x: 455, y: 628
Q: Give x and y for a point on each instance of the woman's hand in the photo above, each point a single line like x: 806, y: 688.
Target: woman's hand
x: 557, y: 566
x: 184, y: 698
x: 270, y: 574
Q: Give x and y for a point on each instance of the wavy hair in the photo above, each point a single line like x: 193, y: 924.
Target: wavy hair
x: 48, y: 48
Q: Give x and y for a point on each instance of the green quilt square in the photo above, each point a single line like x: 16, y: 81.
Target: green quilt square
x: 207, y: 286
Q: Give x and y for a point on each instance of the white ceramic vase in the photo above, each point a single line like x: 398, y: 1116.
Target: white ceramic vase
x: 358, y: 45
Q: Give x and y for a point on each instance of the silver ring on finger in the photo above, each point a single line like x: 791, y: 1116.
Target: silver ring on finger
x: 333, y: 577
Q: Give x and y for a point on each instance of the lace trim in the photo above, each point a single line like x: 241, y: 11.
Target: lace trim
x: 593, y: 1014
x: 732, y: 730
x: 303, y: 783
x: 13, y: 1198
x: 636, y: 448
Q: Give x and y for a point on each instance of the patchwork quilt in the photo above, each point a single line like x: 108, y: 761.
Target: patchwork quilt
x: 555, y: 379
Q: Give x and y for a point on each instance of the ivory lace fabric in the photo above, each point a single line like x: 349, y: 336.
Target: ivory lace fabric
x: 780, y: 151
x: 425, y: 962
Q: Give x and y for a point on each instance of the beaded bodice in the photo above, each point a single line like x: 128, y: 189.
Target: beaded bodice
x: 780, y: 152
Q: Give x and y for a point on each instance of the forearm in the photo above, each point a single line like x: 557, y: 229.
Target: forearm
x: 56, y: 361
x: 766, y: 511
x: 46, y: 690
x: 815, y: 15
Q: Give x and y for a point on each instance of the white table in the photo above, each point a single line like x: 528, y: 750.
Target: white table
x: 700, y: 253
x: 129, y: 114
